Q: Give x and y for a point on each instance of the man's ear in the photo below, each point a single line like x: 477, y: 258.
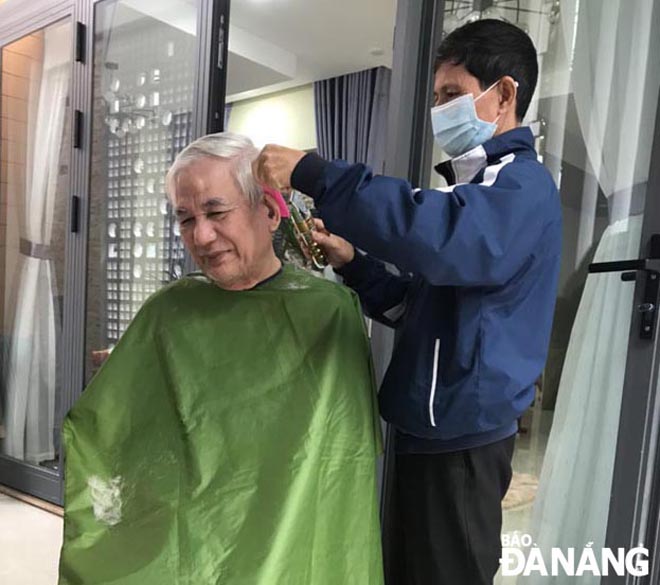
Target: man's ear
x: 508, y: 91
x: 273, y: 213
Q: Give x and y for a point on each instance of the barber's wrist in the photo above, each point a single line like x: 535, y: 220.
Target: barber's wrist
x: 355, y: 264
x: 347, y: 258
x: 307, y: 175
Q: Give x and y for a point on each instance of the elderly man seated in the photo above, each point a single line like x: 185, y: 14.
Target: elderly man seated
x: 231, y: 437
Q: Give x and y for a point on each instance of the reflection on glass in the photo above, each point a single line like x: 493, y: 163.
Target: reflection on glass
x: 130, y: 155
x: 604, y: 192
x: 34, y: 192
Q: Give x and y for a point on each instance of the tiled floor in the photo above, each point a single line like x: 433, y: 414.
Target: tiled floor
x: 30, y: 541
x: 528, y: 459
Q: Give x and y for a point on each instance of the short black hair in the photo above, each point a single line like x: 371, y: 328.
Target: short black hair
x: 490, y: 49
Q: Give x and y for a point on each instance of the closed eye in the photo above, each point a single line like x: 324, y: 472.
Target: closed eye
x: 218, y: 215
x: 188, y: 222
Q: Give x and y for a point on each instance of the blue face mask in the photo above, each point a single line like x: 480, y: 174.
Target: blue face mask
x: 456, y: 126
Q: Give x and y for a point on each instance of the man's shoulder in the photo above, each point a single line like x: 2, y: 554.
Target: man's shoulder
x: 292, y: 280
x: 297, y: 279
x: 172, y: 293
x: 520, y: 172
x: 530, y: 163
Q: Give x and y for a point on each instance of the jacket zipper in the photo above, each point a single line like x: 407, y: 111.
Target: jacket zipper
x: 436, y: 353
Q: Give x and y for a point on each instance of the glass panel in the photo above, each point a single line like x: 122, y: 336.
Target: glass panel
x: 34, y: 190
x: 593, y: 116
x: 144, y: 64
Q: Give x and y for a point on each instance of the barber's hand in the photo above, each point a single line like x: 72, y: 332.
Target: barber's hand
x: 337, y: 250
x: 275, y: 164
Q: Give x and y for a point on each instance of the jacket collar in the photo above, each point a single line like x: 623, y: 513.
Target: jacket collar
x: 463, y: 168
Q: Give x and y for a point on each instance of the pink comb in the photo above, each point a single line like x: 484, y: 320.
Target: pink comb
x: 275, y: 194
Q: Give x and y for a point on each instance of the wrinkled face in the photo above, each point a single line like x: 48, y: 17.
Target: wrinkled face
x: 230, y: 240
x: 452, y: 81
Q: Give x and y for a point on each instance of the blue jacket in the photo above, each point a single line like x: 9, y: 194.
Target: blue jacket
x: 474, y: 303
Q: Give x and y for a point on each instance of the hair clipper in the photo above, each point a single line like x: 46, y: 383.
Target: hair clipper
x: 303, y: 226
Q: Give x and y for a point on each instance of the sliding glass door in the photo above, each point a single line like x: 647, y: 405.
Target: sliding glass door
x: 35, y: 150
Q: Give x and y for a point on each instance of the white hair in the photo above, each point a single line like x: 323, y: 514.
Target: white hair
x: 227, y: 146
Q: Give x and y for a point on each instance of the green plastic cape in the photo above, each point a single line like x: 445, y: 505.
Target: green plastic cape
x: 230, y: 439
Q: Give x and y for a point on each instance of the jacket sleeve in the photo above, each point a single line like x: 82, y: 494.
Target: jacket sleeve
x: 382, y: 294
x: 465, y: 235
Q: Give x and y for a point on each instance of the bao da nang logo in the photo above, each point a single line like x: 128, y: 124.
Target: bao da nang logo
x: 521, y: 556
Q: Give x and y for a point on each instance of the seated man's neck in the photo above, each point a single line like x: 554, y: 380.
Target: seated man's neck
x: 266, y: 269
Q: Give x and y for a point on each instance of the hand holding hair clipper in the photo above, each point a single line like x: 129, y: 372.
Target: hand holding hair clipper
x: 303, y: 226
x: 299, y: 225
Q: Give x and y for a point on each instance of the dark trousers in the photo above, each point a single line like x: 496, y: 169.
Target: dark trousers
x: 449, y: 509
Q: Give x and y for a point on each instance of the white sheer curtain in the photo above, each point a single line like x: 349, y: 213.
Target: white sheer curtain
x: 31, y: 376
x: 615, y: 87
x: 572, y: 505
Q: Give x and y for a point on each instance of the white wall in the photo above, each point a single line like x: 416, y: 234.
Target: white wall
x: 285, y: 118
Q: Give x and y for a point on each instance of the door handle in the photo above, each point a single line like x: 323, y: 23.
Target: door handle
x: 645, y: 264
x: 629, y: 269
